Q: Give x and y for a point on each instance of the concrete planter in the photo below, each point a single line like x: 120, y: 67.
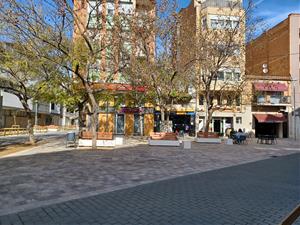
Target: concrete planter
x: 208, y: 140
x: 163, y: 142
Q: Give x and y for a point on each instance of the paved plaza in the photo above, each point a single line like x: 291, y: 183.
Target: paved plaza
x: 81, y: 182
x: 259, y: 193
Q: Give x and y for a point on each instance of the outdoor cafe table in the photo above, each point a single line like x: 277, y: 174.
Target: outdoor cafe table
x: 266, y: 139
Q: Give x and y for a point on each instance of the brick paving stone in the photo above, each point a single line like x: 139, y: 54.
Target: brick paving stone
x: 263, y: 192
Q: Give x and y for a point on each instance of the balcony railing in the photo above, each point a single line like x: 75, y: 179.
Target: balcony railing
x: 273, y: 100
x: 222, y: 4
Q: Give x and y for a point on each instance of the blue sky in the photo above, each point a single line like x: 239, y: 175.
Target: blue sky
x: 272, y: 11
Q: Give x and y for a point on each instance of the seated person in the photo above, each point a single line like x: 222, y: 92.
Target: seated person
x: 239, y: 135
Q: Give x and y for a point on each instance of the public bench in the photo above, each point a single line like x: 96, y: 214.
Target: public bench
x: 104, y: 139
x: 14, y: 130
x: 163, y: 139
x: 208, y: 137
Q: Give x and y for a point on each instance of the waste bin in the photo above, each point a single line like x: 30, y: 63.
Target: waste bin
x: 71, y: 139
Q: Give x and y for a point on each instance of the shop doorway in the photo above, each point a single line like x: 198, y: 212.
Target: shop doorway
x: 137, y: 127
x: 217, y: 126
x: 181, y: 123
x: 120, y: 124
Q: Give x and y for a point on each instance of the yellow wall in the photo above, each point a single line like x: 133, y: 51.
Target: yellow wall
x: 148, y: 124
x: 102, y: 122
x: 129, y: 122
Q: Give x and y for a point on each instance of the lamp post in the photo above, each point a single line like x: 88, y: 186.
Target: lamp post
x: 36, y: 112
x: 294, y: 108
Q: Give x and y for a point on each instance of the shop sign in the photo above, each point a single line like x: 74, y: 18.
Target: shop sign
x: 135, y: 110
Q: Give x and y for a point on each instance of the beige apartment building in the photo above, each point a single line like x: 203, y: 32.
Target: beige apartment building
x: 217, y: 17
x: 118, y: 46
x: 273, y: 63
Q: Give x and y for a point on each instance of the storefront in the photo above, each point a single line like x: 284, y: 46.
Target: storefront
x: 127, y: 121
x: 271, y: 124
x: 180, y: 121
x: 218, y: 124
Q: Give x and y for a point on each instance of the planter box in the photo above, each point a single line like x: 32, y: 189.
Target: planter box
x: 209, y: 140
x: 117, y: 141
x: 163, y: 142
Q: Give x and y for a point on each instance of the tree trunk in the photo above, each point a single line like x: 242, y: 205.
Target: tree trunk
x: 106, y: 122
x: 30, y: 125
x: 80, y: 117
x: 30, y: 129
x: 208, y: 120
x: 94, y: 118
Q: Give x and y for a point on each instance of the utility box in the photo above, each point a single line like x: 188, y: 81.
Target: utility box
x: 187, y: 144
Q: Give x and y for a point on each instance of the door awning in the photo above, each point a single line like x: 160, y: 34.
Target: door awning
x: 279, y: 87
x: 270, y: 118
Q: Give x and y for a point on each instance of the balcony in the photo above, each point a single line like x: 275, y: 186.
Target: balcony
x: 222, y: 4
x: 273, y: 100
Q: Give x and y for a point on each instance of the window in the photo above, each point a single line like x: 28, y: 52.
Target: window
x: 94, y: 74
x: 204, y: 23
x: 220, y: 75
x: 237, y: 76
x: 238, y: 120
x: 52, y: 106
x: 224, y: 22
x: 238, y: 101
x: 219, y: 100
x: 228, y: 75
x: 214, y: 23
x: 229, y: 101
x: 201, y: 100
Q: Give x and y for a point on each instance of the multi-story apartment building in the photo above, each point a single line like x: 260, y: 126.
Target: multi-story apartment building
x: 210, y: 19
x: 12, y: 113
x: 119, y: 45
x: 273, y: 64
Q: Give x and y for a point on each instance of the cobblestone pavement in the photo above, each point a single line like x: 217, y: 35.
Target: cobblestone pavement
x: 36, y: 180
x: 259, y: 193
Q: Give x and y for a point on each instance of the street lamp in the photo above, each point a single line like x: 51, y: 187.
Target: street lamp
x: 294, y: 106
x: 36, y: 112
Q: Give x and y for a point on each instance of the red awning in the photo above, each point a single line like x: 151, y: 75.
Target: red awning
x: 260, y: 86
x: 270, y: 118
